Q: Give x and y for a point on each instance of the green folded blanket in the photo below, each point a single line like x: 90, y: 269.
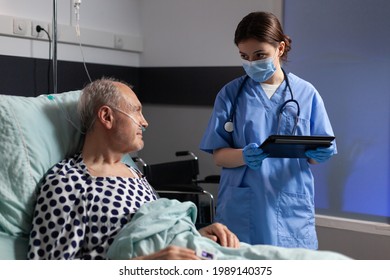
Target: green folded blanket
x: 165, y: 222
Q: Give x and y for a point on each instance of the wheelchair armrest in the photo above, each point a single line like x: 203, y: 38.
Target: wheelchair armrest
x: 138, y: 159
x: 186, y: 153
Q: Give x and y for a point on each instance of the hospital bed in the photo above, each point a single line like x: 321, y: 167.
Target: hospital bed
x: 38, y: 132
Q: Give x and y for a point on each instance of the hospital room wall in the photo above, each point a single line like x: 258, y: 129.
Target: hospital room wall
x: 25, y: 58
x: 110, y: 17
x: 340, y: 47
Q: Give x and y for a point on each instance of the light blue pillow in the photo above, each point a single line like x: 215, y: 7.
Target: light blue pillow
x: 36, y: 133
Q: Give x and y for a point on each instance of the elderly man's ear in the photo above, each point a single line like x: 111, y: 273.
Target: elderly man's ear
x: 105, y: 116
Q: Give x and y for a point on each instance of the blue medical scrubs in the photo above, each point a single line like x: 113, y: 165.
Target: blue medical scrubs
x: 274, y: 204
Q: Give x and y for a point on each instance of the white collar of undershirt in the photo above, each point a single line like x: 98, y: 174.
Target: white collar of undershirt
x: 269, y: 89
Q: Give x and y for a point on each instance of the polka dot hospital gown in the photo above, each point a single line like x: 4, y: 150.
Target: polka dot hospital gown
x: 78, y: 215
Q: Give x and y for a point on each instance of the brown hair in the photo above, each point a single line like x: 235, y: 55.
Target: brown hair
x: 264, y: 27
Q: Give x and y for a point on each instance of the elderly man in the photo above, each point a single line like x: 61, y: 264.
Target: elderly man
x: 85, y: 200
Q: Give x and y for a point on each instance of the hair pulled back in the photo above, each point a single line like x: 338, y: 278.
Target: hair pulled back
x: 264, y: 27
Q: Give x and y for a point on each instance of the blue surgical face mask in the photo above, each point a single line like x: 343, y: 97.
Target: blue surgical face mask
x: 260, y: 70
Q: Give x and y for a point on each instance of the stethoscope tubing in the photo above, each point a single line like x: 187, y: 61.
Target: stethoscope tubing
x: 229, y: 124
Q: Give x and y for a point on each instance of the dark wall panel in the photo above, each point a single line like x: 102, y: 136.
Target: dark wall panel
x: 31, y: 77
x: 195, y: 86
x: 73, y: 73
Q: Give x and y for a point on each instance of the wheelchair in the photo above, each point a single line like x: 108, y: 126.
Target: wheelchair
x: 179, y: 180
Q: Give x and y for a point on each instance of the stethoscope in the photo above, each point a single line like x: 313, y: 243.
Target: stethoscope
x: 229, y: 126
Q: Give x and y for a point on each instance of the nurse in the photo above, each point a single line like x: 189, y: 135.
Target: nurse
x: 266, y: 200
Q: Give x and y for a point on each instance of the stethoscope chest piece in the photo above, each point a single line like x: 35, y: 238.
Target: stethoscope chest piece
x: 228, y: 126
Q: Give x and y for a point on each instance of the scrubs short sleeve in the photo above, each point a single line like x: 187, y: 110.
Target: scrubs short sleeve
x: 215, y: 136
x: 320, y: 123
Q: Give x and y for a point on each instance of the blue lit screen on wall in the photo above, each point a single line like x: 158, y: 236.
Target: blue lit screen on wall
x: 343, y: 50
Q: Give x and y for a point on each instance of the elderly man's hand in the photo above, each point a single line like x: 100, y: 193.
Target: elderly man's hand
x: 221, y: 234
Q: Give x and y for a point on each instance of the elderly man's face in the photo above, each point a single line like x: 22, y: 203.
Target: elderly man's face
x: 131, y: 122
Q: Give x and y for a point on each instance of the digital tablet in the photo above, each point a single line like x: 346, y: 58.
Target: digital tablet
x: 293, y: 146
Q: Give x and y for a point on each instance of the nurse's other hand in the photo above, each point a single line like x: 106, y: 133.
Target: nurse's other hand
x: 220, y: 234
x: 253, y: 155
x: 320, y: 154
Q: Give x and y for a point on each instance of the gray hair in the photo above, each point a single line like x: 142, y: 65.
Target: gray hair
x: 94, y: 95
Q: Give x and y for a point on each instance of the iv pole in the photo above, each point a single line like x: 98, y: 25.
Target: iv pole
x: 54, y: 42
